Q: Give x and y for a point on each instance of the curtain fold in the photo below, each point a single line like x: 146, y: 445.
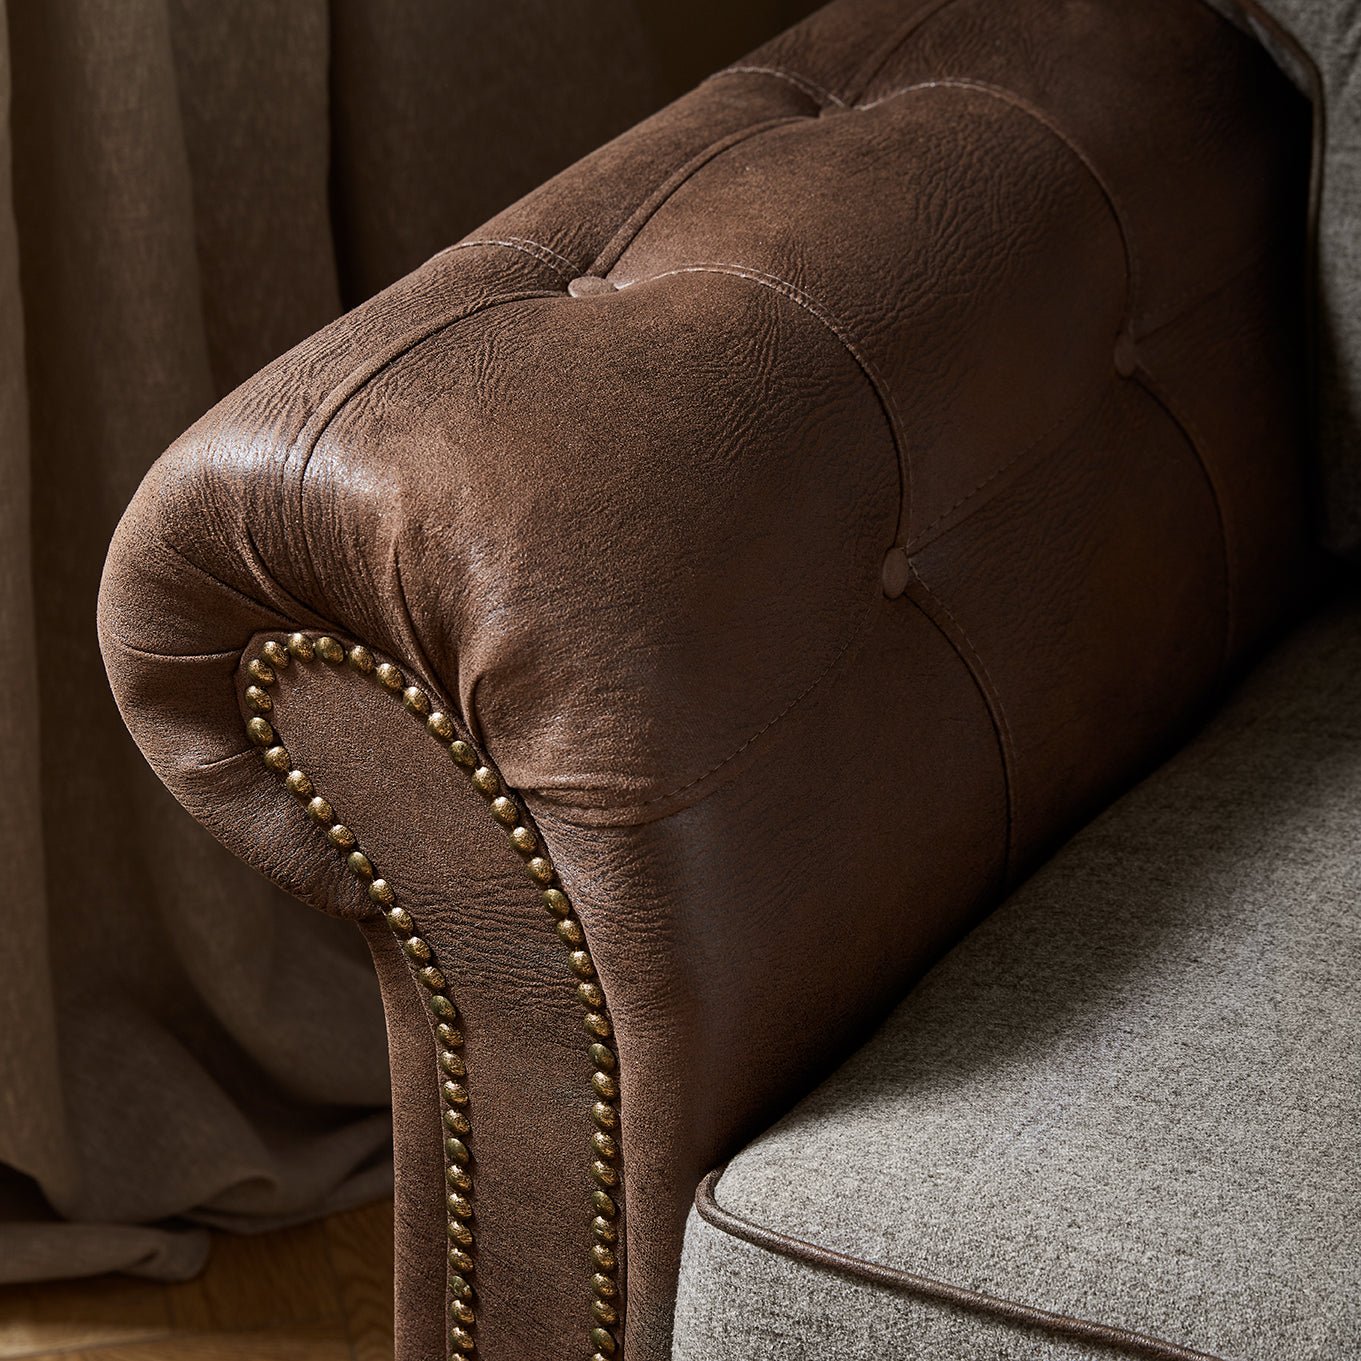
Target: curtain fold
x: 181, y: 1041
x: 187, y: 188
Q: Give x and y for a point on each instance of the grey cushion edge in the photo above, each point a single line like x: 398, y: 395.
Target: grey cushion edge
x: 1109, y: 1339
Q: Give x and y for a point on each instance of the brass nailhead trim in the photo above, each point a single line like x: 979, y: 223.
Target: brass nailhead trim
x: 605, y: 1169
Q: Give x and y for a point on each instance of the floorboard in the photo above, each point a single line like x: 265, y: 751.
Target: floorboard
x: 320, y: 1292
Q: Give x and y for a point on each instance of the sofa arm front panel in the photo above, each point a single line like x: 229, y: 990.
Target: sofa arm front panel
x: 787, y: 522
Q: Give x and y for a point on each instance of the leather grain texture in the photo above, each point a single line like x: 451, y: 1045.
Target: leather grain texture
x: 998, y: 304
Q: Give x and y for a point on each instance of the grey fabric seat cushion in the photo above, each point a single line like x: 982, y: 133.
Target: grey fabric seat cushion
x: 1132, y: 1097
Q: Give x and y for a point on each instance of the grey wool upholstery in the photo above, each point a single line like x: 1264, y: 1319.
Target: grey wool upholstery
x: 1132, y: 1097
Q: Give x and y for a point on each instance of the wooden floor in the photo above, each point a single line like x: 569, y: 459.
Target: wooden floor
x: 318, y: 1293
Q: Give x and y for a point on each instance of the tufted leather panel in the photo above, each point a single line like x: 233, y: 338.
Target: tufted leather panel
x: 923, y: 451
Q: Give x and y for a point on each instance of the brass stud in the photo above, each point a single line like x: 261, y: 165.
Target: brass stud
x: 599, y: 1356
x: 539, y: 867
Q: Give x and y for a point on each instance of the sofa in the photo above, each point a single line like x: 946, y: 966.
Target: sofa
x: 711, y: 607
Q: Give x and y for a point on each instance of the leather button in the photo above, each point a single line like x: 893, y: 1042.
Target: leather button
x: 896, y: 572
x: 588, y: 285
x: 1126, y: 360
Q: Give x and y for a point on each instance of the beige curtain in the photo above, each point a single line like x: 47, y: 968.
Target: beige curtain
x: 188, y: 187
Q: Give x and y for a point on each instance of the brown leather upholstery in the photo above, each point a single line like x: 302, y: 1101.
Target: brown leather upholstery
x: 929, y: 455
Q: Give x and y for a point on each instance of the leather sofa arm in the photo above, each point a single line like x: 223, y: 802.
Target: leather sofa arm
x: 668, y: 618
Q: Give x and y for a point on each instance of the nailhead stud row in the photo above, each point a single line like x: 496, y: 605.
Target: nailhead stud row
x: 606, y: 1171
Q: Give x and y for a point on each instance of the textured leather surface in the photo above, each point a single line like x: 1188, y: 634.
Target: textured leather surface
x: 998, y: 302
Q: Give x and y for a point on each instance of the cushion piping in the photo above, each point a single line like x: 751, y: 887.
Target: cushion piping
x: 1011, y: 1311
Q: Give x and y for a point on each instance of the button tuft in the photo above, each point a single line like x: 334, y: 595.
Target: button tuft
x: 589, y: 285
x: 896, y: 572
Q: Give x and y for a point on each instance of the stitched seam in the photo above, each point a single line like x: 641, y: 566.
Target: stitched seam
x: 881, y: 389
x: 1188, y: 432
x: 136, y: 651
x: 628, y: 231
x: 216, y: 581
x: 1010, y: 1311
x: 800, y: 82
x: 546, y: 255
x: 991, y: 698
x: 920, y: 540
x: 1024, y: 106
x: 879, y: 59
x: 269, y: 585
x: 1191, y: 297
x: 855, y: 637
x: 343, y: 394
x: 603, y: 1327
